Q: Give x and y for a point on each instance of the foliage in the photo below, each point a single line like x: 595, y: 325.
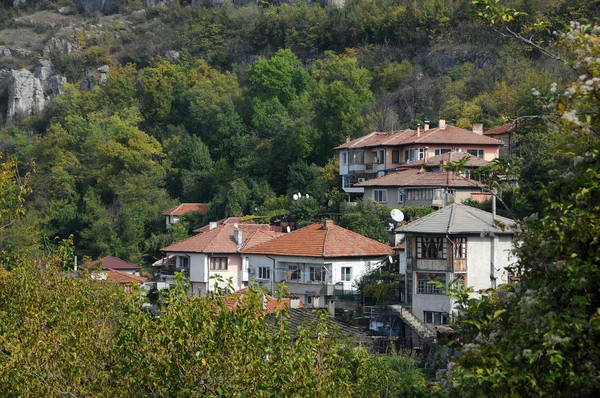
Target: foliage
x: 381, y: 285
x: 540, y: 336
x: 367, y: 218
x: 63, y: 335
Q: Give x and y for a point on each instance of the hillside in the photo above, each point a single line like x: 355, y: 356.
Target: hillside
x: 127, y: 107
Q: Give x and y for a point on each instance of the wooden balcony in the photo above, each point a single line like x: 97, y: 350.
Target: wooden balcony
x: 433, y: 264
x: 460, y: 265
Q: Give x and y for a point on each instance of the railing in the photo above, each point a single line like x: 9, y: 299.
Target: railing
x: 431, y: 264
x: 315, y: 289
x: 460, y: 265
x: 172, y: 270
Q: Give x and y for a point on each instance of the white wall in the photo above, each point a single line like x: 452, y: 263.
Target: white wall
x: 430, y: 302
x: 344, y: 167
x: 334, y: 266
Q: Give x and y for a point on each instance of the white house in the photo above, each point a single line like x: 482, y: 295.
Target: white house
x: 314, y: 262
x: 215, y: 250
x: 174, y: 215
x: 457, y: 242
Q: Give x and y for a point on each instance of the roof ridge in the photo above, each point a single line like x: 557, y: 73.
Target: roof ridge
x: 327, y: 228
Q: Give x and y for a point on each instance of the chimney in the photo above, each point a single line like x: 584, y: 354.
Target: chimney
x: 237, y: 236
x: 347, y: 139
x: 426, y: 125
x: 478, y: 128
x: 418, y: 131
x: 213, y: 225
x: 328, y: 224
x: 442, y: 124
x: 294, y: 302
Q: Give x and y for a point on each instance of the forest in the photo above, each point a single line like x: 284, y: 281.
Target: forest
x: 239, y: 106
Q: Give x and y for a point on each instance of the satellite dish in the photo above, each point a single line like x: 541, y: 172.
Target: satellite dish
x: 295, y: 196
x: 288, y: 229
x: 299, y: 195
x: 397, y: 215
x: 391, y: 259
x: 307, y: 196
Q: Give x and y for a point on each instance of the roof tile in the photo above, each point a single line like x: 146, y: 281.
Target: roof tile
x: 418, y: 178
x: 186, y: 208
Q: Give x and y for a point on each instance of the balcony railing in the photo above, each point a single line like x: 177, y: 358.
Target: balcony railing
x: 432, y: 264
x: 460, y: 265
x: 170, y: 270
x: 315, y: 289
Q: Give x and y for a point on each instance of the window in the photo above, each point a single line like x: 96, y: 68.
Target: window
x: 309, y: 300
x: 218, y: 263
x: 430, y: 247
x: 264, y: 273
x: 424, y: 285
x: 460, y: 280
x: 317, y: 274
x: 476, y: 152
x: 184, y: 262
x: 395, y: 156
x: 410, y: 155
x: 441, y: 151
x: 380, y: 195
x: 400, y: 196
x: 381, y: 156
x: 419, y: 194
x: 346, y: 273
x: 436, y: 318
x: 460, y: 248
x: 357, y: 157
x: 344, y: 158
x: 292, y: 273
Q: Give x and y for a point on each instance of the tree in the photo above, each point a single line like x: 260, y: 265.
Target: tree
x: 540, y: 336
x: 367, y: 218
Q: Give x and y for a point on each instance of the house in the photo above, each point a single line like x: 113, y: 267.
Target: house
x: 215, y: 251
x: 314, y: 262
x: 124, y: 279
x: 270, y: 304
x: 175, y: 214
x: 417, y: 187
x: 112, y: 263
x: 379, y: 153
x: 504, y: 135
x: 436, y: 163
x: 457, y: 244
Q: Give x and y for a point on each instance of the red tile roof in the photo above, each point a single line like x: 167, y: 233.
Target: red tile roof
x: 186, y: 208
x: 110, y: 262
x: 451, y: 135
x: 123, y: 277
x: 505, y: 128
x: 418, y: 178
x: 221, y: 239
x: 322, y: 240
x: 273, y: 304
x: 473, y: 161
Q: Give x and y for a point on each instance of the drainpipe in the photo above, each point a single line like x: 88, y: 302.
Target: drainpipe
x: 273, y: 274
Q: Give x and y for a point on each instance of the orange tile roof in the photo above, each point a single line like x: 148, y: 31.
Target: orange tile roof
x: 186, y: 208
x: 273, y: 304
x: 221, y: 239
x: 322, y: 240
x: 473, y: 161
x: 114, y: 275
x: 451, y: 135
x: 418, y: 178
x: 110, y: 262
x: 505, y: 128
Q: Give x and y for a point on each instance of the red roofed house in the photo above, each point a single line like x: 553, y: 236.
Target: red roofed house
x: 504, y: 135
x: 215, y: 251
x: 380, y: 153
x: 313, y: 261
x: 173, y: 215
x: 112, y: 263
x: 417, y: 187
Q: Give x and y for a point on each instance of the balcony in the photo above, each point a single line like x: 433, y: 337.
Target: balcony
x: 433, y: 264
x: 460, y: 265
x: 311, y: 289
x: 171, y: 270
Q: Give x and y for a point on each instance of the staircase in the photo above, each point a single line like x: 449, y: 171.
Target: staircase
x: 415, y: 323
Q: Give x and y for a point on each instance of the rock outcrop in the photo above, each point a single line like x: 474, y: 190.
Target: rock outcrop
x: 29, y: 91
x: 96, y: 5
x: 15, y: 52
x: 58, y: 46
x: 25, y: 95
